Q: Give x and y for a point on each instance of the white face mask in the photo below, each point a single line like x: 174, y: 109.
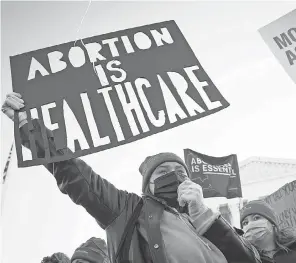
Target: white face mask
x: 257, y: 231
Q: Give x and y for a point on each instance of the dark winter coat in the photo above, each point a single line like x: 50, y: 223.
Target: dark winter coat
x: 282, y: 256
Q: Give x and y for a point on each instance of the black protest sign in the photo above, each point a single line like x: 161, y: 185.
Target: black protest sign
x: 112, y: 89
x: 283, y: 201
x: 218, y: 176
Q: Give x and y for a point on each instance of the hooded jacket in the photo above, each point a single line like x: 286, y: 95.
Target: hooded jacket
x: 112, y: 209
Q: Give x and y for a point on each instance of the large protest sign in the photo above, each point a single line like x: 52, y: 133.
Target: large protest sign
x: 283, y: 201
x: 218, y: 176
x: 112, y: 89
x: 280, y: 36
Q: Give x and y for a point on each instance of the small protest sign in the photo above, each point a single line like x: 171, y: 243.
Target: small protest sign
x: 280, y: 36
x: 112, y: 89
x: 218, y: 176
x: 283, y: 201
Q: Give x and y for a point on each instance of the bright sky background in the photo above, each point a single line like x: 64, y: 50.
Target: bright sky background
x: 37, y: 219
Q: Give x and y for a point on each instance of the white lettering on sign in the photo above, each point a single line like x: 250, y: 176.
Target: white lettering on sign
x: 181, y: 86
x: 78, y: 56
x: 36, y: 66
x: 97, y: 140
x: 140, y: 82
x: 46, y: 116
x: 55, y: 62
x: 112, y: 113
x: 172, y: 106
x: 136, y: 106
x: 73, y: 129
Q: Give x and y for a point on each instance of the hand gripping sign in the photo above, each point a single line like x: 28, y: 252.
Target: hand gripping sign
x: 111, y: 89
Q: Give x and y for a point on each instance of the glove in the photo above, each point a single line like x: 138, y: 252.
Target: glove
x: 12, y: 103
x: 191, y: 193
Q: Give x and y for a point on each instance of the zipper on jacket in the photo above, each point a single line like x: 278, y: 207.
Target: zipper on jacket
x: 180, y: 217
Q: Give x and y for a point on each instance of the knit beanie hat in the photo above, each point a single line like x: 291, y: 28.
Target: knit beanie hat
x: 151, y: 162
x: 259, y: 207
x: 93, y: 250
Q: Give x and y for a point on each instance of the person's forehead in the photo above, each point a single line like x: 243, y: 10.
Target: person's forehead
x: 170, y: 164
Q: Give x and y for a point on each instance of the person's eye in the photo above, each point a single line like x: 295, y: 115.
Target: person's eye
x: 181, y: 173
x: 183, y: 176
x: 257, y: 217
x: 162, y: 172
x: 245, y: 223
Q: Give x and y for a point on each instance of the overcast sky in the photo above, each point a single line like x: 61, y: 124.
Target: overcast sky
x: 38, y: 220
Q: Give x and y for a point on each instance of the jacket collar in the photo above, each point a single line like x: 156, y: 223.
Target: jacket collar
x: 161, y: 202
x: 150, y: 196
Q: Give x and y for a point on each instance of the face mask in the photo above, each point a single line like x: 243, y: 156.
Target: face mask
x: 257, y: 231
x: 166, y: 188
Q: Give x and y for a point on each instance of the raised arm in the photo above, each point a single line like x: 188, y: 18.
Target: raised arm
x: 74, y: 177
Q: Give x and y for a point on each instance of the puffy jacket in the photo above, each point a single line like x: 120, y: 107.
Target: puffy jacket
x: 112, y: 208
x: 282, y: 256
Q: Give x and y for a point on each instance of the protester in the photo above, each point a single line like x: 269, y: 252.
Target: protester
x: 260, y: 227
x: 148, y: 229
x: 93, y: 250
x: 56, y: 258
